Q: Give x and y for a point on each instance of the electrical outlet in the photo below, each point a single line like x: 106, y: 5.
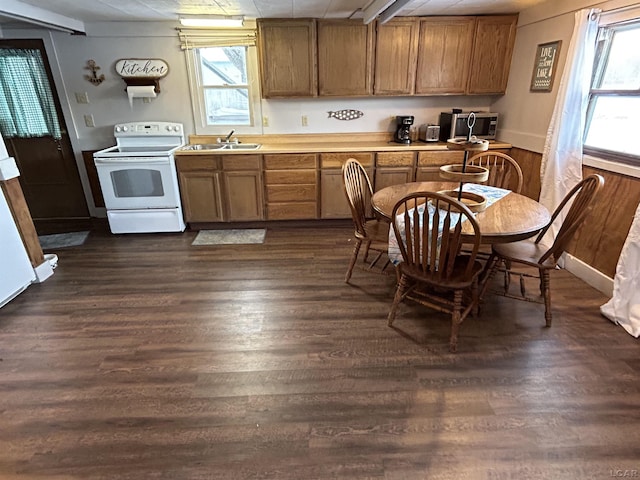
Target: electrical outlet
x: 305, y: 121
x: 82, y: 97
x: 146, y: 99
x: 265, y: 121
x: 88, y: 121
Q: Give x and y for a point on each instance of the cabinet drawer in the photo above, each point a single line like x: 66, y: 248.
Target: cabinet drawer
x: 439, y: 158
x: 197, y: 162
x: 290, y: 161
x: 241, y: 162
x: 291, y: 193
x: 336, y: 160
x: 292, y: 177
x: 395, y: 159
x: 292, y: 211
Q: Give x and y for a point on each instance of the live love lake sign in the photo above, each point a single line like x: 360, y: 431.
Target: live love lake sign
x: 142, y: 67
x: 544, y: 67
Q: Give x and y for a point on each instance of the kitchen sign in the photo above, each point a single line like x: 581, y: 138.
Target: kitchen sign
x: 544, y: 67
x: 142, y: 68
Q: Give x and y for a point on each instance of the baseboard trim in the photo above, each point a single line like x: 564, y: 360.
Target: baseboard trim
x: 590, y: 275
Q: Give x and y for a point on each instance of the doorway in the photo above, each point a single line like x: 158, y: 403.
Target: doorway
x: 35, y: 133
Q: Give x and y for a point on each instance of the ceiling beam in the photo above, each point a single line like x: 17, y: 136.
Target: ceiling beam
x: 20, y: 11
x: 374, y: 9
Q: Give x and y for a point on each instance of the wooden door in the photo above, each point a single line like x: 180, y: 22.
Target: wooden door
x: 48, y: 171
x: 288, y: 58
x: 345, y: 57
x: 243, y: 195
x: 444, y: 52
x: 491, y: 59
x: 396, y: 53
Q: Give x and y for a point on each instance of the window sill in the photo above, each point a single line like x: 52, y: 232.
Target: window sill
x: 607, y: 165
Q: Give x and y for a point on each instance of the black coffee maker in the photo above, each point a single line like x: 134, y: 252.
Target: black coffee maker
x: 403, y: 130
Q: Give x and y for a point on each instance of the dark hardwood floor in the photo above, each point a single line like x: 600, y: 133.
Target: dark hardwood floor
x: 144, y: 357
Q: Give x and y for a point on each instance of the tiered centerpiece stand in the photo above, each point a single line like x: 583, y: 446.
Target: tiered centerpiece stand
x: 464, y: 173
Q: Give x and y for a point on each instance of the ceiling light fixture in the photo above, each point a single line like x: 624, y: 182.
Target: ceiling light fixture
x: 211, y: 21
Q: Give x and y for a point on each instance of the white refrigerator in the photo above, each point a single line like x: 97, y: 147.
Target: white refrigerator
x: 16, y: 272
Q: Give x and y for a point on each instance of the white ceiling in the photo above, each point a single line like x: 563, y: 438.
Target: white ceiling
x: 164, y: 10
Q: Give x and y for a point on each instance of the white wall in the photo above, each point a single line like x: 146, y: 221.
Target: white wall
x: 525, y: 115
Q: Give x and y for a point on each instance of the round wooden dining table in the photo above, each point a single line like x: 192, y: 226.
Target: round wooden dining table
x: 512, y: 218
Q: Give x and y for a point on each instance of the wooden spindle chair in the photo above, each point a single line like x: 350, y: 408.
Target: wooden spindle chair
x: 544, y: 258
x: 433, y: 272
x: 504, y: 171
x: 370, y: 232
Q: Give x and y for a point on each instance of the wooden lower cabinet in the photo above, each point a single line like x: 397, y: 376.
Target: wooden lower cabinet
x: 393, y: 168
x: 291, y: 186
x: 221, y: 188
x: 334, y: 202
x: 429, y: 163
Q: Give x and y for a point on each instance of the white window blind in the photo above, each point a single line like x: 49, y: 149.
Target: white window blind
x: 191, y: 38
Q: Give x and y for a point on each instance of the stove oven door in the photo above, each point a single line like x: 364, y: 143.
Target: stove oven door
x: 138, y: 182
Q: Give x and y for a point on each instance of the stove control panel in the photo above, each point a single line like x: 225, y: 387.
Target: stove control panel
x: 139, y: 129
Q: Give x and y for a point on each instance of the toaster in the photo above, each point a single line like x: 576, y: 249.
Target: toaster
x: 429, y: 133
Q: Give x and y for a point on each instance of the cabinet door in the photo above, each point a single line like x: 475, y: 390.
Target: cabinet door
x: 429, y: 164
x: 396, y: 54
x: 491, y: 59
x: 244, y: 199
x: 200, y: 193
x: 444, y: 51
x: 345, y: 57
x: 334, y: 202
x: 287, y: 58
x: 393, y: 168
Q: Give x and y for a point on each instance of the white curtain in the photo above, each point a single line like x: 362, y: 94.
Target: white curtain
x: 561, y: 166
x: 624, y: 307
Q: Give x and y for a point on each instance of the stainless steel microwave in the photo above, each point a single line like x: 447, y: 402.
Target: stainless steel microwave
x: 455, y: 125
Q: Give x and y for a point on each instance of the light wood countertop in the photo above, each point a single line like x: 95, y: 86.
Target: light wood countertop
x: 319, y: 143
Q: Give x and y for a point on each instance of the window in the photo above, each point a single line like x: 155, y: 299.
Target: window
x: 222, y: 68
x: 614, y: 102
x: 224, y: 84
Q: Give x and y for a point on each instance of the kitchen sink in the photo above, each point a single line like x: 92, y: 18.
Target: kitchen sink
x: 222, y: 146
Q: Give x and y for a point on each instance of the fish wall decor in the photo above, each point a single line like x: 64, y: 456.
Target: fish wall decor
x: 347, y: 114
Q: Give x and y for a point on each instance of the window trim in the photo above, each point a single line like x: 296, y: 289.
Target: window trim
x: 613, y: 20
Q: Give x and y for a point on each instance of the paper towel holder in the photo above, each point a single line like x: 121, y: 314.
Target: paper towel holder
x: 141, y: 72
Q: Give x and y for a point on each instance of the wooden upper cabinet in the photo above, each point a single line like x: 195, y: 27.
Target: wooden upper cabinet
x: 444, y: 53
x: 345, y: 56
x: 288, y: 58
x: 395, y: 57
x: 491, y: 58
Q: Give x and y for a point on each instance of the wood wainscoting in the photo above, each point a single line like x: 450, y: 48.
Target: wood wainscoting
x: 599, y: 242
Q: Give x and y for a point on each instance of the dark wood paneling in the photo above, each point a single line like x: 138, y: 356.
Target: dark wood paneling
x: 530, y: 165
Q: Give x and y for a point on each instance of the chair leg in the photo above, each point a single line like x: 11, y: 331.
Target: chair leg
x: 455, y: 320
x: 400, y: 289
x: 546, y: 293
x: 366, y: 251
x: 490, y: 270
x: 475, y: 298
x: 354, y: 258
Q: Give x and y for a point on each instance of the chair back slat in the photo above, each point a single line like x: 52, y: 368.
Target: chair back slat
x: 428, y: 227
x: 581, y: 199
x: 358, y: 191
x: 504, y: 171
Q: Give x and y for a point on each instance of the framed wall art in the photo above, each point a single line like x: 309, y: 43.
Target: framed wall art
x: 544, y: 67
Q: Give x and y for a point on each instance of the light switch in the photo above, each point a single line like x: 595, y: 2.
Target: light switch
x: 305, y: 121
x: 265, y: 121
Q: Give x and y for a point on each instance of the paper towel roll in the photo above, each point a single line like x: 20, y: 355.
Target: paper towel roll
x: 144, y: 91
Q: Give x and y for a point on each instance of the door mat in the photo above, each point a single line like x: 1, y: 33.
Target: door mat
x: 62, y: 240
x: 229, y: 237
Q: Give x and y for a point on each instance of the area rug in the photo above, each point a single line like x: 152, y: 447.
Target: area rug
x: 62, y: 240
x: 229, y: 237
